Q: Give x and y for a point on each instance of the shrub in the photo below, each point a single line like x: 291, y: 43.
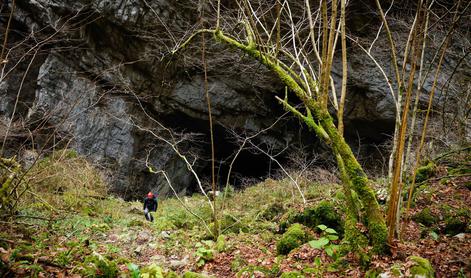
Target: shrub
x: 67, y: 181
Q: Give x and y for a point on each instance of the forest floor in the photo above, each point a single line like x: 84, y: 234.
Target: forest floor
x: 84, y: 233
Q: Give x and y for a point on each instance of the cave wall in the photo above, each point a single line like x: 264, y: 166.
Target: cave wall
x: 103, y: 74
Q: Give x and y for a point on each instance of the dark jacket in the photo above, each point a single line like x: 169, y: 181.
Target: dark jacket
x: 150, y: 203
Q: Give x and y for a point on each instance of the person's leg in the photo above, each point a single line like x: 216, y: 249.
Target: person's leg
x: 146, y: 214
x: 151, y: 217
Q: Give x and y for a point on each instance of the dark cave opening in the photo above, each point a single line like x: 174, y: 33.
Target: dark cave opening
x: 249, y: 167
x: 368, y: 141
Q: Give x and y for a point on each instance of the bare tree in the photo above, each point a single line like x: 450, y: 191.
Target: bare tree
x: 291, y: 58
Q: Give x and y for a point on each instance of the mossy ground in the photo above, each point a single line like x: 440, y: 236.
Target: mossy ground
x: 69, y: 228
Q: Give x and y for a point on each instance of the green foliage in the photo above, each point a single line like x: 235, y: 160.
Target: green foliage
x: 9, y: 170
x: 292, y: 274
x: 396, y: 270
x: 455, y: 225
x: 63, y: 258
x: 250, y: 271
x: 325, y: 241
x: 96, y: 265
x: 425, y: 217
x: 238, y: 263
x: 66, y: 181
x: 171, y: 274
x: 425, y: 172
x: 324, y: 213
x: 294, y: 237
x: 134, y: 270
x: 229, y: 223
x: 371, y: 273
x: 434, y: 235
x: 136, y: 223
x: 171, y: 215
x: 34, y: 269
x: 221, y: 243
x: 272, y: 211
x: 205, y: 252
x: 152, y: 271
x: 421, y: 267
x: 190, y: 274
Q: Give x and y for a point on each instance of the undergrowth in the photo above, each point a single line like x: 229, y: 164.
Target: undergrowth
x: 68, y: 223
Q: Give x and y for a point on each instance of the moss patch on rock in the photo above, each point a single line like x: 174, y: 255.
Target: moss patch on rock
x: 425, y: 172
x: 324, y: 213
x: 421, y: 267
x: 455, y: 221
x: 294, y: 237
x: 425, y: 217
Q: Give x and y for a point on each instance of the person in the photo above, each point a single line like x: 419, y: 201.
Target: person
x: 150, y: 205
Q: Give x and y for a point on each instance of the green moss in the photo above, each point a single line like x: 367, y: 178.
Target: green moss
x: 272, y: 211
x: 230, y: 224
x: 425, y: 217
x: 455, y: 225
x: 396, y: 270
x: 221, y: 243
x: 354, y: 240
x: 294, y: 237
x: 289, y: 218
x: 324, y: 213
x: 456, y: 221
x: 425, y: 172
x: 292, y: 274
x: 190, y: 274
x: 372, y: 273
x: 99, y: 266
x: 171, y: 274
x: 136, y: 223
x: 328, y: 132
x: 238, y: 263
x: 421, y: 267
x: 70, y: 153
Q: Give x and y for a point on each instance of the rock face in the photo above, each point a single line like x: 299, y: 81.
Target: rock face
x: 99, y: 75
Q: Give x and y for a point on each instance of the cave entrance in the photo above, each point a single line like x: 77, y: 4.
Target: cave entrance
x: 251, y: 165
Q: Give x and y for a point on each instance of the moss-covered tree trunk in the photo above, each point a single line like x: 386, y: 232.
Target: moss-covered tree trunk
x: 361, y: 185
x: 328, y: 132
x: 321, y: 122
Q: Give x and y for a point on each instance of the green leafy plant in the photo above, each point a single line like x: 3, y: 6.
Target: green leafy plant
x: 434, y: 235
x: 64, y: 258
x: 151, y: 271
x: 134, y: 270
x: 326, y: 240
x: 96, y: 265
x: 204, y: 253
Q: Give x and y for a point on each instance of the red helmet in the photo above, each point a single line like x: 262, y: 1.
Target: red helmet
x: 150, y: 195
